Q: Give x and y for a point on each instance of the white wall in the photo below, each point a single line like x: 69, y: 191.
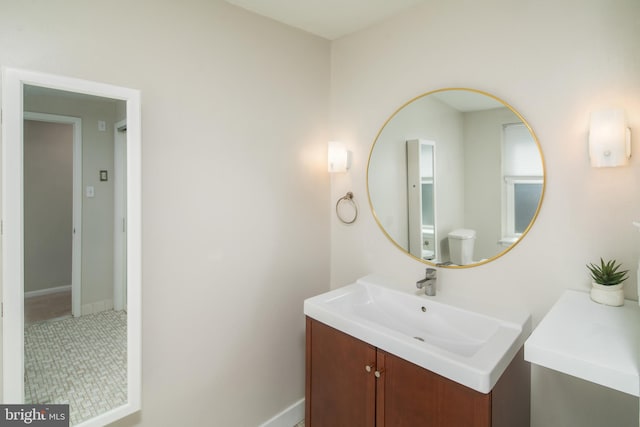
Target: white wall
x: 555, y: 62
x: 236, y: 202
x: 235, y: 189
x: 48, y: 204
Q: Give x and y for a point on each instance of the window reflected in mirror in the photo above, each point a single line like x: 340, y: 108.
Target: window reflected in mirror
x: 522, y: 180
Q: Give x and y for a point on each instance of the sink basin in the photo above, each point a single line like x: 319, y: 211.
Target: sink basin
x: 457, y: 339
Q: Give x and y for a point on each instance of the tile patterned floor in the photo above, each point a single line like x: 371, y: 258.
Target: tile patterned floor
x: 80, y: 361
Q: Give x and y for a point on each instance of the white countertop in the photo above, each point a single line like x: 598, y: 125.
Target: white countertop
x: 591, y: 341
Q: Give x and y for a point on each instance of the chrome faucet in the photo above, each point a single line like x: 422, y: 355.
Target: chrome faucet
x: 428, y: 283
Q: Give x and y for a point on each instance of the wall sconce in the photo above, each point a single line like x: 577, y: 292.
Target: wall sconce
x: 339, y: 158
x: 609, y: 138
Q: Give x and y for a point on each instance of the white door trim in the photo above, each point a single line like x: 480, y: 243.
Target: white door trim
x: 13, y: 81
x: 119, y: 215
x: 12, y: 241
x: 76, y: 257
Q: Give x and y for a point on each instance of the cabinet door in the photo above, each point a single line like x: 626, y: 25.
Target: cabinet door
x: 409, y: 396
x: 340, y: 391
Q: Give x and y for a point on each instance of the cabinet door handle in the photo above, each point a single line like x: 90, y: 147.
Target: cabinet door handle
x: 378, y: 373
x: 368, y: 368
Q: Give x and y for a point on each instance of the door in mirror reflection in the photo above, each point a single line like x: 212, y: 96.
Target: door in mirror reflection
x: 421, y: 199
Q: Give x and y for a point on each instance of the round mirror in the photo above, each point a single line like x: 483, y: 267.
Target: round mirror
x: 455, y: 177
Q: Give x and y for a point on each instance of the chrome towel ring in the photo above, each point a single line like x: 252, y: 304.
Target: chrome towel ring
x: 350, y: 202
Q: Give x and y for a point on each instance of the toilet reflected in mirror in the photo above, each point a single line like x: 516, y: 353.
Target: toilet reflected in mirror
x: 461, y: 243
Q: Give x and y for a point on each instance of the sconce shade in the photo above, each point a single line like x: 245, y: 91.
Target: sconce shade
x: 609, y: 139
x: 339, y: 158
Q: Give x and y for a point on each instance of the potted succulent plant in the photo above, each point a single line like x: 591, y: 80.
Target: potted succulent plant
x: 608, y: 281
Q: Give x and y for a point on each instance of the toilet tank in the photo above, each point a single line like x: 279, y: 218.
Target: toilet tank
x: 461, y: 243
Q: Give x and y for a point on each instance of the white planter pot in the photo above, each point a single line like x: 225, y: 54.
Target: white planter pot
x: 608, y: 295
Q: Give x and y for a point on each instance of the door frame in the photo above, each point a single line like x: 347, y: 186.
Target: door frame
x: 119, y: 215
x: 76, y: 251
x: 13, y: 82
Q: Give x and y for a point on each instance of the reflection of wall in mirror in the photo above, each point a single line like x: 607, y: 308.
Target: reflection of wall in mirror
x: 483, y: 179
x: 426, y: 118
x: 97, y: 154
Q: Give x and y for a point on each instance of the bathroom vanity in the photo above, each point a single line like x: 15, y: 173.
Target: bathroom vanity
x: 377, y: 356
x: 352, y: 383
x: 587, y: 340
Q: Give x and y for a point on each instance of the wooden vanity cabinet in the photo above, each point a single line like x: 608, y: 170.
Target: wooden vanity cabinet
x: 351, y: 383
x: 409, y: 395
x: 340, y: 391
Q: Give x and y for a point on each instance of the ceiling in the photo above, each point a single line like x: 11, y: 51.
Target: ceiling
x: 467, y: 100
x: 330, y: 19
x: 30, y: 90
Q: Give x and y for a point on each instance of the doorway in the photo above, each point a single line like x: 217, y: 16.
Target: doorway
x: 52, y: 208
x: 120, y: 216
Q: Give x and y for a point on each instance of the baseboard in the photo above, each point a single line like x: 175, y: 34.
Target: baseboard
x: 47, y: 291
x: 287, y: 418
x: 97, y: 307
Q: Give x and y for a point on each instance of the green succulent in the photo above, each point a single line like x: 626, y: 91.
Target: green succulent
x: 607, y: 273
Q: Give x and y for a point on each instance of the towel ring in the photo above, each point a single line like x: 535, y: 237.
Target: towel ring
x: 347, y: 198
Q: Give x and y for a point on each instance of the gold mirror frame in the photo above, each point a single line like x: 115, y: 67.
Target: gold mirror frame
x: 542, y: 161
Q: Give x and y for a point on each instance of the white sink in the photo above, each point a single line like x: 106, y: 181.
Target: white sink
x: 463, y: 342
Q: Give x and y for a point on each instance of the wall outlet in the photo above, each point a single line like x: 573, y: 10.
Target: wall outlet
x: 102, y: 125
